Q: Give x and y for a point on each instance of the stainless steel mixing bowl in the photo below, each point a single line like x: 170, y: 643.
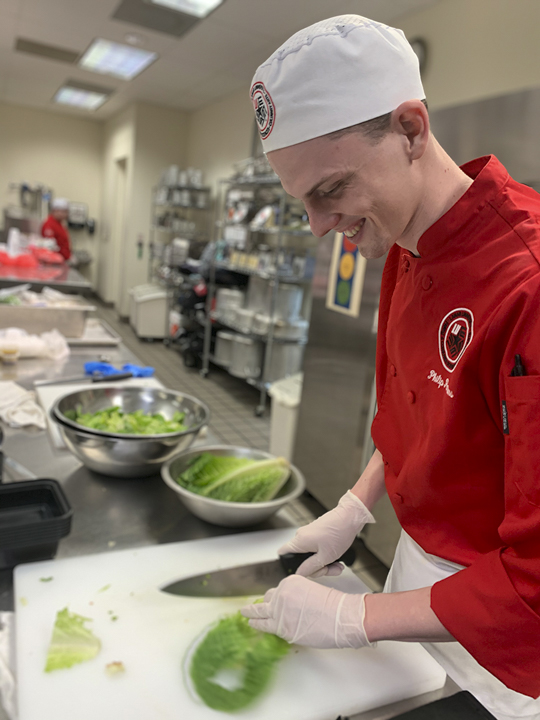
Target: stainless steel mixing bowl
x: 123, y: 455
x: 220, y: 512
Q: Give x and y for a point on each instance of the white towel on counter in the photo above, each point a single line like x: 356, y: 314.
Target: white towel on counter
x: 18, y: 407
x: 7, y: 664
x: 50, y: 344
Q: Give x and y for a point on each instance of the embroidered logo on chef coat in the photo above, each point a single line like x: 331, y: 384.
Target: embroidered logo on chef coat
x: 455, y: 335
x: 265, y: 110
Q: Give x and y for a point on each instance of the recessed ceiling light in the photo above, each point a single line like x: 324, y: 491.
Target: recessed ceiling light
x: 197, y: 8
x: 83, y: 95
x: 79, y: 98
x: 121, y: 61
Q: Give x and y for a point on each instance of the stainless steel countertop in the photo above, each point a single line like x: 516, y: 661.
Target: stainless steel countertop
x: 60, y: 277
x: 114, y: 513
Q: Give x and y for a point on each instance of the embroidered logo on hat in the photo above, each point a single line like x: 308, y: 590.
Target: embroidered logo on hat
x: 455, y: 335
x: 265, y: 110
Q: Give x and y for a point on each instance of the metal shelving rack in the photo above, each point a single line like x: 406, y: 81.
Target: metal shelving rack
x: 279, y: 234
x: 183, y: 211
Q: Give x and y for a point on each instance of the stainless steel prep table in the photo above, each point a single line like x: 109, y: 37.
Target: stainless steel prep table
x: 113, y: 513
x: 60, y: 277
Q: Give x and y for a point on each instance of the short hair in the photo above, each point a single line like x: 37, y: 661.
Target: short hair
x: 374, y: 129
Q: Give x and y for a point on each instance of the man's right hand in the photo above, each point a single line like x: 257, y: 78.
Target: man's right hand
x: 329, y: 537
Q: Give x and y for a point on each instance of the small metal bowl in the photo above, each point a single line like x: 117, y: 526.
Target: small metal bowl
x: 123, y: 455
x: 221, y: 512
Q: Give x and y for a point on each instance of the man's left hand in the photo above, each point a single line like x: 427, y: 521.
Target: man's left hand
x: 304, y: 612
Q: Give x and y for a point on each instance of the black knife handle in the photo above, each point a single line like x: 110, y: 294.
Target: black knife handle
x: 292, y: 561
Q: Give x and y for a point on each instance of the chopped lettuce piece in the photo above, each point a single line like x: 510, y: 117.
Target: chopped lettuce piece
x: 71, y: 642
x: 234, y: 664
x: 115, y: 668
x: 235, y: 479
x: 114, y: 420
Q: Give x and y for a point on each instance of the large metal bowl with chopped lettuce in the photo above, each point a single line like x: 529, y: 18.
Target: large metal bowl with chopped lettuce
x: 232, y: 486
x: 128, y: 431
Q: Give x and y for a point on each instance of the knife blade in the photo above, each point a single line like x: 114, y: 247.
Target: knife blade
x: 242, y: 580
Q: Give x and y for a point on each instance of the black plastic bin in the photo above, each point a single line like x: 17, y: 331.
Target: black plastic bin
x: 34, y: 516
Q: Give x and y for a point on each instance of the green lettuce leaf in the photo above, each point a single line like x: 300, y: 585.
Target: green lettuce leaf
x: 71, y: 642
x: 234, y: 664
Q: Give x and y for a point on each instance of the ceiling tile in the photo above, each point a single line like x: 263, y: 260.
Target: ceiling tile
x: 213, y: 46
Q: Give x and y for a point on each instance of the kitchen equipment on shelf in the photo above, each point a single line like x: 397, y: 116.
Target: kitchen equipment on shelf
x: 286, y: 360
x: 247, y: 356
x: 123, y: 455
x: 223, y: 348
x: 288, y: 301
x: 294, y: 330
x: 34, y: 516
x: 258, y: 297
x: 220, y: 512
x: 243, y: 319
x: 154, y: 631
x: 227, y: 301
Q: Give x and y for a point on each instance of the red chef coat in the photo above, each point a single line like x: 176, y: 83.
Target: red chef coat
x: 464, y: 483
x: 51, y: 228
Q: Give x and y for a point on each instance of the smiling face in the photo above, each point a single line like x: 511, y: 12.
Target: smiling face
x: 370, y: 191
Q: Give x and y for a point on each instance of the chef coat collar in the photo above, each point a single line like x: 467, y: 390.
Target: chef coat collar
x: 489, y: 178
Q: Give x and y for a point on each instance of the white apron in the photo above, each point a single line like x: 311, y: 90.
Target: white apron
x: 413, y: 568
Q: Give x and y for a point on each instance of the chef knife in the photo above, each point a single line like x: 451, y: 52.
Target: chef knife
x: 86, y: 378
x: 254, y: 579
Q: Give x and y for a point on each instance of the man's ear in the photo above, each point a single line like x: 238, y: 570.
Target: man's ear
x: 411, y: 120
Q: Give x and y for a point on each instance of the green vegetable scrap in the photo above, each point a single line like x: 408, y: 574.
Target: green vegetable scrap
x: 234, y: 664
x: 47, y: 579
x: 113, y: 420
x: 71, y: 642
x: 235, y: 479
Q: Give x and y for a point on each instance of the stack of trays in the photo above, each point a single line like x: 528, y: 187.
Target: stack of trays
x: 34, y: 516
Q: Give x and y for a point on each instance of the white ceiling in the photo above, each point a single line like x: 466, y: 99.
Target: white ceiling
x: 215, y: 58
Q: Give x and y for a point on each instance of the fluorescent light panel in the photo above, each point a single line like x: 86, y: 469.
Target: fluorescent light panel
x: 80, y: 98
x: 121, y: 61
x: 197, y: 8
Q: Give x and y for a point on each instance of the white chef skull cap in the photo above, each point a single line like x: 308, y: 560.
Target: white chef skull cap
x: 331, y: 75
x: 60, y: 204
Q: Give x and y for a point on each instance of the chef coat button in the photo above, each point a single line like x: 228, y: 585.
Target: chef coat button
x: 411, y: 397
x: 393, y: 370
x: 398, y: 498
x: 427, y: 282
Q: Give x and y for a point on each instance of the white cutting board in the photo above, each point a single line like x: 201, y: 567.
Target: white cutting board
x: 49, y: 394
x: 154, y: 630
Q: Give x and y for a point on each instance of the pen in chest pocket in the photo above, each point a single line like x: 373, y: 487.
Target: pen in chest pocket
x: 517, y: 371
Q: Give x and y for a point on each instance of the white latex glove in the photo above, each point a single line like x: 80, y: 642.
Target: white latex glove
x: 304, y: 612
x: 329, y: 536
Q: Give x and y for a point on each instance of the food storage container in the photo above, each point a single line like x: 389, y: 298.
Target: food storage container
x: 246, y: 359
x: 34, y: 516
x: 286, y: 359
x: 223, y: 349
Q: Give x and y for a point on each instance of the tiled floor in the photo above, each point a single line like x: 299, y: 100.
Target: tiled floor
x: 232, y: 405
x: 231, y: 401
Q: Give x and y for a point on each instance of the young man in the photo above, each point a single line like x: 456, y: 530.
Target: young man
x: 342, y: 115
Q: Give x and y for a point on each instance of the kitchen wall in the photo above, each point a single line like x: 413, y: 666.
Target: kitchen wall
x: 477, y: 48
x: 221, y: 134
x: 139, y: 143
x: 60, y: 151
